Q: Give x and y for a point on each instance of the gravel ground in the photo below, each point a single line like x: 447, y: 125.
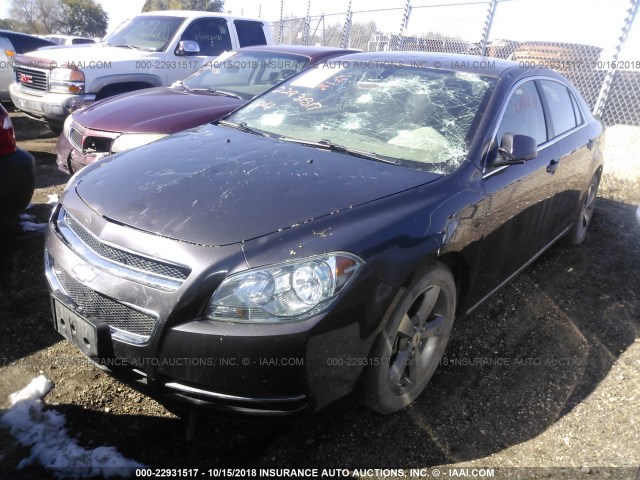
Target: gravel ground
x: 546, y: 375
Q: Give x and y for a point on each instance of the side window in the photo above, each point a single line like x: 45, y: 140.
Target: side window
x: 576, y: 110
x: 524, y: 115
x: 212, y: 35
x: 56, y: 40
x: 560, y: 105
x: 250, y: 33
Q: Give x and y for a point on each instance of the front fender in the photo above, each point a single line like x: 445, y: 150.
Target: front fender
x: 103, y: 81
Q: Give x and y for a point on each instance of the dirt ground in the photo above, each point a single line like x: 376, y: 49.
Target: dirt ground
x: 543, y: 381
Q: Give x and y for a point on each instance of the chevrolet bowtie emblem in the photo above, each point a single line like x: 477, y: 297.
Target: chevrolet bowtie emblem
x: 84, y: 273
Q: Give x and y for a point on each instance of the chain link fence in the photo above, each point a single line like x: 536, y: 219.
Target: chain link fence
x: 594, y: 44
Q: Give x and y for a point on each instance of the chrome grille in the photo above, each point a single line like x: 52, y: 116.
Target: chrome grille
x: 75, y: 137
x: 98, y: 306
x: 122, y: 257
x: 30, y: 78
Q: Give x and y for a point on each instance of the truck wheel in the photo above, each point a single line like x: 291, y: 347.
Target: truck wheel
x: 118, y: 88
x: 55, y: 128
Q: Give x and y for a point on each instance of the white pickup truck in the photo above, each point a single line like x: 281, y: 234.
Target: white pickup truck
x: 151, y: 49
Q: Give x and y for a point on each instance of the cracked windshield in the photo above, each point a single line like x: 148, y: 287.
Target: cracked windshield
x: 415, y: 117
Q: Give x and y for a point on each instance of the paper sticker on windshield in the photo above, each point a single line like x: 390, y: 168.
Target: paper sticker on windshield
x: 316, y: 77
x: 337, y: 80
x: 265, y: 105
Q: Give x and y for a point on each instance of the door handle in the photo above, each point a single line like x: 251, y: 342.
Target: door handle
x: 551, y: 168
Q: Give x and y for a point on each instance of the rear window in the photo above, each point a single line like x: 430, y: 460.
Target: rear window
x: 24, y: 44
x: 250, y: 33
x: 56, y: 40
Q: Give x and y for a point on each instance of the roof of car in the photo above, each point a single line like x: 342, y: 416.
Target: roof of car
x: 62, y: 35
x: 197, y: 13
x: 11, y: 32
x: 446, y: 61
x: 308, y: 51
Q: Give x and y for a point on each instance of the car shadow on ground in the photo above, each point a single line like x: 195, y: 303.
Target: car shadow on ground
x: 27, y: 128
x: 513, y: 369
x: 25, y: 310
x: 47, y: 173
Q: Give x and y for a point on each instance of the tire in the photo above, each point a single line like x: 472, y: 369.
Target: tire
x: 578, y: 231
x: 408, y: 351
x: 119, y: 88
x: 55, y: 128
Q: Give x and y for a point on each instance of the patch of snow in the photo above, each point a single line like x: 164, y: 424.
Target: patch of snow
x: 51, y: 446
x: 52, y: 198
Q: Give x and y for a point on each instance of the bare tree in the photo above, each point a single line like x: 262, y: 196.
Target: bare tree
x: 37, y: 16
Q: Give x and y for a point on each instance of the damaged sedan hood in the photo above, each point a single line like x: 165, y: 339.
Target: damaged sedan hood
x: 218, y: 186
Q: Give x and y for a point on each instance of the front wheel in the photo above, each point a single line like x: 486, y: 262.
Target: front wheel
x: 408, y: 351
x: 55, y: 128
x: 578, y: 231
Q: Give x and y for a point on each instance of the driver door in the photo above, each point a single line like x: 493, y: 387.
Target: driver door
x: 519, y: 198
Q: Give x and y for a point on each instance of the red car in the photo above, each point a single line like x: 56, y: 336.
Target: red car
x: 136, y: 118
x: 16, y: 170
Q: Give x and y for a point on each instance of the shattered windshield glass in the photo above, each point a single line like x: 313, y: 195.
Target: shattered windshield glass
x: 418, y: 117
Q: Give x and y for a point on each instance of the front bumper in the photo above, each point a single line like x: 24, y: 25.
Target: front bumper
x: 188, y: 362
x: 51, y: 107
x: 16, y: 181
x: 70, y: 159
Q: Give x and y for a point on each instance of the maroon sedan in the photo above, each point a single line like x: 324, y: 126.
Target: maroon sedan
x: 136, y: 118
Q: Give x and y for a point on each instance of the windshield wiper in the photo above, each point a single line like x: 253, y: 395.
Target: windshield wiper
x: 244, y: 127
x: 180, y: 83
x: 133, y: 47
x: 334, y: 147
x: 215, y: 91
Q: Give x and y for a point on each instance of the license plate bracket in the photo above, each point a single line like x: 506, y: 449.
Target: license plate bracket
x: 91, y: 336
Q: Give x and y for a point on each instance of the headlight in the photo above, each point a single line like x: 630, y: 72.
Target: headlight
x: 284, y: 292
x: 66, y: 80
x: 67, y: 126
x: 128, y: 141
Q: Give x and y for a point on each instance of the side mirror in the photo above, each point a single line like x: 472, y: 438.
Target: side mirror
x: 515, y: 149
x: 188, y: 47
